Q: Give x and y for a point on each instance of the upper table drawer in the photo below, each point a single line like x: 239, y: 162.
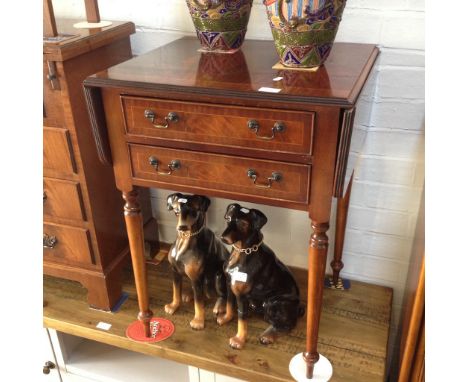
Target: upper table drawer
x: 233, y: 176
x: 255, y: 128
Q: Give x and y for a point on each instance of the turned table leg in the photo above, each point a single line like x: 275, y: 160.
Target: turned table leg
x: 317, y: 262
x: 134, y: 222
x: 341, y: 218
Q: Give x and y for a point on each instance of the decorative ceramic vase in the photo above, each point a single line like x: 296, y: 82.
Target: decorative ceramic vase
x: 304, y: 30
x: 220, y: 24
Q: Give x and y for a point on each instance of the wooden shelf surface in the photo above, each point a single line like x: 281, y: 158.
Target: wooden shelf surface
x: 353, y: 334
x: 78, y: 41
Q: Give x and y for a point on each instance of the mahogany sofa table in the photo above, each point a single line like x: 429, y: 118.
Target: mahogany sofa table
x: 179, y: 119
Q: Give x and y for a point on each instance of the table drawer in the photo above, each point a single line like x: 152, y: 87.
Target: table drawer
x: 67, y: 244
x: 62, y: 199
x: 262, y: 129
x: 288, y: 182
x: 57, y: 152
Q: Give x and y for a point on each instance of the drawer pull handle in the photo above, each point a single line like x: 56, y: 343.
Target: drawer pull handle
x: 275, y: 177
x: 279, y: 127
x: 171, y: 117
x: 174, y: 165
x: 47, y: 366
x: 49, y: 242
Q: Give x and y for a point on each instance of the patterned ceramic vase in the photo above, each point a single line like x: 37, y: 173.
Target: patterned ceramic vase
x: 304, y: 30
x: 220, y: 24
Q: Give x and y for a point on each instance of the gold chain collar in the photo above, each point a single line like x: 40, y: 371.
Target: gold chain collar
x: 186, y: 234
x: 248, y: 251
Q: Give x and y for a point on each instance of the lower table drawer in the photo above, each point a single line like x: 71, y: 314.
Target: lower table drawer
x: 67, y: 244
x: 62, y: 199
x: 235, y: 175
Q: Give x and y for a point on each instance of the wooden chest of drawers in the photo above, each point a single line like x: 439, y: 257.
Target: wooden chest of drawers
x: 179, y: 119
x: 84, y: 235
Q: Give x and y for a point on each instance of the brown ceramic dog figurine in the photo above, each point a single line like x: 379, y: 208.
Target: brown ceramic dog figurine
x: 198, y: 254
x: 257, y: 279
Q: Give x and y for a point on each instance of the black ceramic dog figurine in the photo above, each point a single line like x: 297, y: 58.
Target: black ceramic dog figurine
x: 258, y: 279
x: 198, y: 254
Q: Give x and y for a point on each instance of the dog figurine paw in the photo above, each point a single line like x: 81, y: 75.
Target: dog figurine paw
x: 197, y: 254
x: 256, y: 278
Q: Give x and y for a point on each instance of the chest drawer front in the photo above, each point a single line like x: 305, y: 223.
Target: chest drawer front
x: 62, y: 199
x: 57, y: 152
x: 67, y: 244
x: 261, y: 129
x: 235, y: 175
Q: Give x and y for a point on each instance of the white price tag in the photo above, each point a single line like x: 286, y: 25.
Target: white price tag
x: 182, y: 200
x: 277, y: 78
x: 269, y: 90
x: 239, y: 276
x: 103, y: 325
x: 245, y: 210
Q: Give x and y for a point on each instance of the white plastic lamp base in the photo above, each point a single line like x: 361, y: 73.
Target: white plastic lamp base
x: 323, y: 369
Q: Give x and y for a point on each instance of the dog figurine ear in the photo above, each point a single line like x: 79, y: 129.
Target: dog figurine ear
x: 205, y: 203
x: 171, y: 199
x: 259, y: 219
x: 231, y: 210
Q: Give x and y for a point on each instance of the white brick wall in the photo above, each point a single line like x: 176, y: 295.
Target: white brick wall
x: 390, y: 173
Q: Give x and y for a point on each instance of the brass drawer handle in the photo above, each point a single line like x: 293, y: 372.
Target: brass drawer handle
x: 278, y: 127
x: 174, y: 165
x: 49, y: 242
x: 275, y: 177
x: 47, y: 366
x: 171, y: 117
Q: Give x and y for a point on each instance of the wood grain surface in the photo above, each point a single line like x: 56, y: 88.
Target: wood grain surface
x: 222, y: 172
x: 220, y: 125
x: 82, y: 207
x: 180, y: 66
x: 353, y: 331
x: 62, y: 200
